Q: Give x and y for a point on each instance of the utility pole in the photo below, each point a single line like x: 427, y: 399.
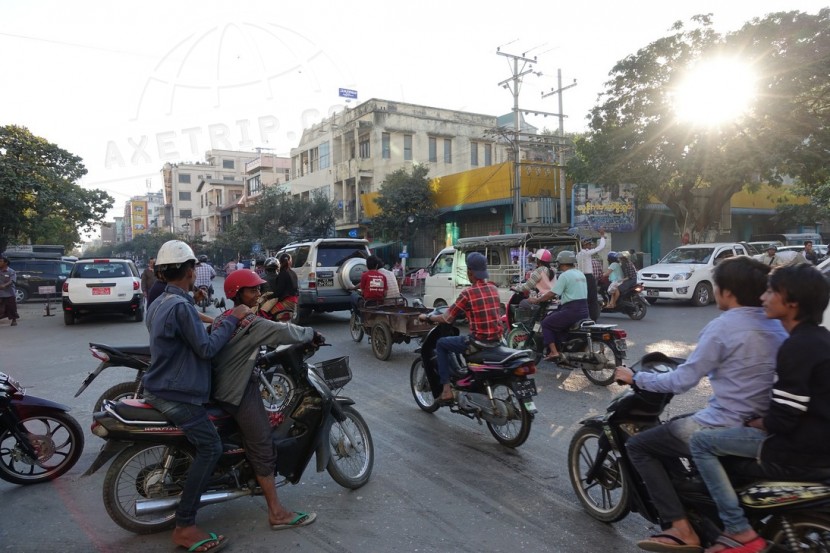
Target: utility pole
x: 562, y: 198
x: 513, y: 84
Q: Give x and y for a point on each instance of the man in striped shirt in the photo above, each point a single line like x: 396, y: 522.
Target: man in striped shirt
x: 482, y: 305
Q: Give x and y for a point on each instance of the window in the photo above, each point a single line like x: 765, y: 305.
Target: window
x: 186, y: 213
x: 365, y: 152
x: 325, y: 156
x: 447, y: 150
x: 313, y: 155
x: 184, y: 178
x: 407, y: 147
x: 228, y: 177
x: 184, y: 196
x: 227, y: 164
x: 386, y: 151
x: 488, y: 154
x: 474, y: 154
x: 433, y: 148
x: 254, y: 185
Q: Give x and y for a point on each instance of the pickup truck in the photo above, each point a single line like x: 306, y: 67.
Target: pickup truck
x: 685, y: 273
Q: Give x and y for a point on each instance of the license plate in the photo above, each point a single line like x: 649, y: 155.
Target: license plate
x: 101, y: 291
x: 621, y: 345
x: 652, y: 293
x: 325, y: 282
x: 525, y: 389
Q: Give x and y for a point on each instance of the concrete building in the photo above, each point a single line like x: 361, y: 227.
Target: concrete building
x: 202, y: 198
x: 348, y: 155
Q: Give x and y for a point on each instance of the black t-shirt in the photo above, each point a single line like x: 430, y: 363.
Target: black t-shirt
x: 286, y: 284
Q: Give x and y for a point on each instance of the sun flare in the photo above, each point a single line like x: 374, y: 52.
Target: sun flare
x: 715, y: 92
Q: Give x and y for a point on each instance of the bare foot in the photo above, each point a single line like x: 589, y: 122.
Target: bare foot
x: 188, y: 536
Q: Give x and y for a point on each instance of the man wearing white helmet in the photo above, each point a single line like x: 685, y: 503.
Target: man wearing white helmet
x: 573, y: 303
x: 178, y: 381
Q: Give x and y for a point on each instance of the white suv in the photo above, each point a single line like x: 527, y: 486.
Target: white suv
x: 102, y: 286
x: 685, y: 273
x: 326, y: 269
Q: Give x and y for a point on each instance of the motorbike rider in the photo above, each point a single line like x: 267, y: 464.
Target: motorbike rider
x: 205, y: 274
x: 541, y: 278
x: 236, y: 388
x: 737, y: 352
x: 629, y: 276
x: 178, y: 381
x: 481, y: 303
x: 583, y: 261
x: 572, y: 290
x: 282, y: 301
x: 271, y: 267
x: 372, y: 285
x: 796, y: 430
x: 614, y: 275
x: 393, y: 290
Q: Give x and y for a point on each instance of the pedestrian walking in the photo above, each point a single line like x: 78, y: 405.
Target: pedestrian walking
x: 8, y: 301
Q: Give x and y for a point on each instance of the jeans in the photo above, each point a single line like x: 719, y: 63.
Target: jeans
x: 201, y: 433
x: 709, y: 444
x: 649, y: 450
x: 445, y: 347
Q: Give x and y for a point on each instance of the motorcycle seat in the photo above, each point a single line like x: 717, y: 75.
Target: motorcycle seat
x: 499, y: 355
x: 138, y: 410
x: 587, y: 325
x: 143, y: 350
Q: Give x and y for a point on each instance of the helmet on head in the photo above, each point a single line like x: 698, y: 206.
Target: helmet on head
x: 612, y: 256
x: 566, y: 257
x: 241, y: 279
x: 272, y: 263
x: 543, y: 255
x: 174, y: 252
x: 202, y: 258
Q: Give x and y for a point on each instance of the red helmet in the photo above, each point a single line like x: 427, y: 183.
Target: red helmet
x: 240, y: 279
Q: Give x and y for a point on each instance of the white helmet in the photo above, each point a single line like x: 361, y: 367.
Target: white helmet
x: 174, y: 253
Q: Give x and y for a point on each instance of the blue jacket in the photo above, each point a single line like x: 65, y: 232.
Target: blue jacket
x: 181, y: 348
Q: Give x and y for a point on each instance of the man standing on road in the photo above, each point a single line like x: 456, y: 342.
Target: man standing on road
x: 583, y: 261
x: 737, y: 351
x: 178, y: 381
x: 148, y: 278
x: 8, y: 301
x: 772, y: 259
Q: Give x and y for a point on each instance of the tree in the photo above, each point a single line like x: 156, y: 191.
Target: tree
x: 636, y: 137
x: 407, y: 205
x: 40, y: 201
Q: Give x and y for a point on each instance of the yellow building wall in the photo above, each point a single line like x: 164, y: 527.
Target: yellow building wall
x: 767, y: 197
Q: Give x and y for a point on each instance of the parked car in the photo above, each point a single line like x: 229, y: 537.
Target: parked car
x: 685, y: 273
x: 326, y: 270
x: 39, y: 277
x: 103, y: 286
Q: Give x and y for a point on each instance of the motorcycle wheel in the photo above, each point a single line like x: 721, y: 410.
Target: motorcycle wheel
x: 605, y: 375
x: 138, y: 473
x: 351, y: 463
x: 515, y: 432
x: 355, y: 328
x: 284, y: 389
x: 638, y: 309
x: 123, y: 390
x: 517, y: 339
x: 606, y: 497
x: 58, y: 439
x: 421, y: 390
x: 809, y: 531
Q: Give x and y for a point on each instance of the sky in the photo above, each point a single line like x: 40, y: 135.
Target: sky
x: 128, y: 86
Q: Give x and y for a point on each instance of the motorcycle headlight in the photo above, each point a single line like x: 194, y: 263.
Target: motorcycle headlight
x: 682, y: 276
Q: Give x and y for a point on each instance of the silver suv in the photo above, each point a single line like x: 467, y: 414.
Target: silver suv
x: 326, y: 268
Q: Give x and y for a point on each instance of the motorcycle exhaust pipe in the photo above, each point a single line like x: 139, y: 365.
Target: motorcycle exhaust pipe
x: 150, y: 506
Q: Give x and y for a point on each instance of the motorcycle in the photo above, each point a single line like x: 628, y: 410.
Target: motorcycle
x: 204, y: 297
x: 794, y: 515
x: 596, y: 349
x: 490, y: 385
x: 132, y: 357
x: 39, y: 439
x: 144, y: 481
x: 276, y: 386
x: 630, y: 302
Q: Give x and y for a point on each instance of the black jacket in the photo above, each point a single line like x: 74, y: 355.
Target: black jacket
x: 798, y: 421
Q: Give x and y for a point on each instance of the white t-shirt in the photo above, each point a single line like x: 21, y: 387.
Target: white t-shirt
x: 392, y: 289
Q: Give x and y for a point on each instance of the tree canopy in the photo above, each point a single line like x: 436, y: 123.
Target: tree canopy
x: 404, y: 195
x: 635, y: 135
x: 41, y: 202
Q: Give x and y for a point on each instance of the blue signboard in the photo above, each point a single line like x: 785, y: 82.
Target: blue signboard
x: 353, y: 233
x: 347, y: 93
x: 613, y: 208
x: 404, y: 255
x: 256, y: 248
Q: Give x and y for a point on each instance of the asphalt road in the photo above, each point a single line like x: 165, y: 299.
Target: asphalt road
x: 440, y: 483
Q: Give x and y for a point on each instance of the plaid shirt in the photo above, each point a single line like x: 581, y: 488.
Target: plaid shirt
x: 482, y: 305
x: 204, y: 274
x: 596, y: 265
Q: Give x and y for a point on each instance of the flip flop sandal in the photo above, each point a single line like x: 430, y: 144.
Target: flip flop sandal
x: 220, y: 543
x: 679, y: 546
x: 755, y: 545
x: 302, y: 519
